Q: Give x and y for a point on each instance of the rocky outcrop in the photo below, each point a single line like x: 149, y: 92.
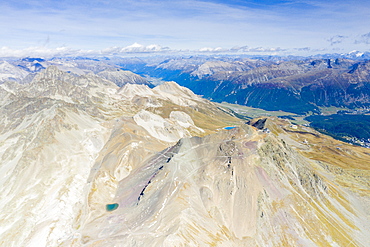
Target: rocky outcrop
x: 9, y: 72
x: 258, y: 123
x: 120, y: 77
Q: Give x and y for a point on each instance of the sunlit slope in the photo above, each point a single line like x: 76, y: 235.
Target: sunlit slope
x: 71, y: 145
x: 238, y: 187
x: 58, y: 132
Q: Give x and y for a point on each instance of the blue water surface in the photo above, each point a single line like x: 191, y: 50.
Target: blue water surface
x: 229, y: 128
x: 111, y: 207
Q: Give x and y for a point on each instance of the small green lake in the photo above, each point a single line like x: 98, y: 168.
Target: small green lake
x: 111, y: 207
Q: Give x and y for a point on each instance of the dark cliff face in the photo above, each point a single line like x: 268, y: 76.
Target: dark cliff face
x: 299, y: 86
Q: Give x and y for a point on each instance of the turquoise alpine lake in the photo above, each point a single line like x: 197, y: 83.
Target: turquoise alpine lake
x: 111, y: 207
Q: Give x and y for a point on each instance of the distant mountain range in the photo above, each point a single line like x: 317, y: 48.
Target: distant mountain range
x: 298, y: 86
x: 294, y: 84
x: 23, y: 70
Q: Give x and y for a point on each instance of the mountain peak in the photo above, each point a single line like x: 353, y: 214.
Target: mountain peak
x: 172, y: 87
x: 122, y: 77
x: 9, y: 72
x: 130, y: 90
x: 51, y: 72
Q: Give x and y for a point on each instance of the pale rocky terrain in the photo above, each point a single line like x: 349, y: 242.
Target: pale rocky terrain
x: 72, y: 144
x: 9, y: 72
x: 120, y: 77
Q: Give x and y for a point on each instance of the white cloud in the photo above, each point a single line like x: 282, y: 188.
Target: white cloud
x: 210, y: 49
x: 245, y: 50
x: 138, y: 49
x: 141, y: 48
x: 337, y: 39
x: 36, y: 52
x: 364, y: 38
x: 134, y: 48
x: 43, y: 51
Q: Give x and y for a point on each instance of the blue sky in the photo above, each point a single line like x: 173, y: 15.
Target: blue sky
x: 251, y: 26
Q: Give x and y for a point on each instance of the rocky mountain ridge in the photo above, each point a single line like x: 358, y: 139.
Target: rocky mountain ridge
x: 71, y: 146
x: 25, y: 69
x: 298, y: 85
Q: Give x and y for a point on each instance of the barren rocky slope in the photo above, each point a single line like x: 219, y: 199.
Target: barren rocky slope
x: 71, y: 145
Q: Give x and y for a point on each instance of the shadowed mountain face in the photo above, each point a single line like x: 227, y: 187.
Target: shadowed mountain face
x: 87, y: 163
x: 298, y: 86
